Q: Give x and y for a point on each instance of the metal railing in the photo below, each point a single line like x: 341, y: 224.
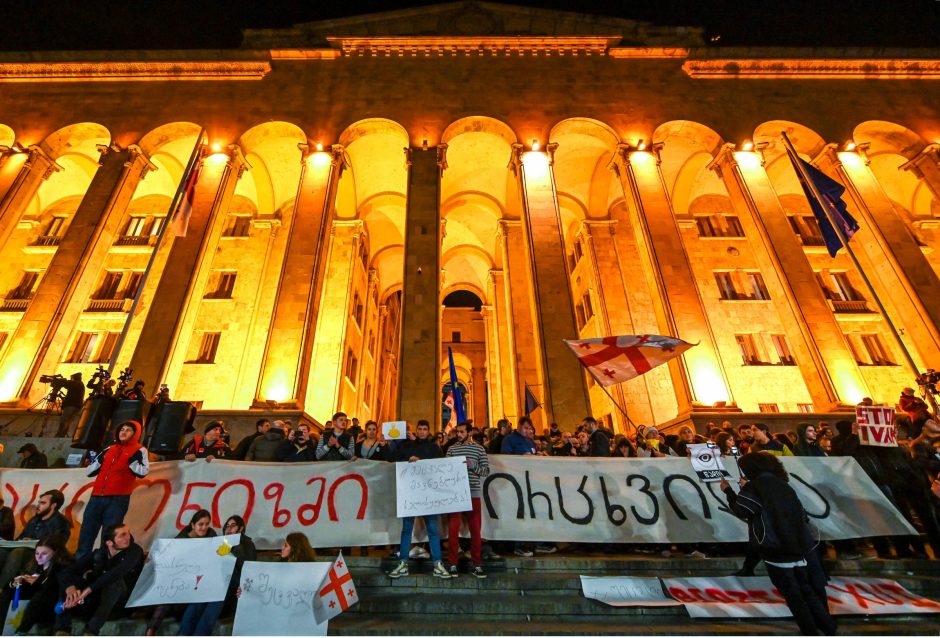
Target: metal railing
x: 108, y: 305
x: 14, y: 304
x: 839, y: 305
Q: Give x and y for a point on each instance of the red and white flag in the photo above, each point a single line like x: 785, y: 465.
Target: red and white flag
x: 449, y: 402
x: 613, y: 360
x: 179, y: 222
x: 336, y: 593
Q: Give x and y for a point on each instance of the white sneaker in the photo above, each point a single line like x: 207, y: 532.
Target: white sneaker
x: 401, y: 570
x: 440, y: 571
x: 522, y: 552
x: 418, y: 552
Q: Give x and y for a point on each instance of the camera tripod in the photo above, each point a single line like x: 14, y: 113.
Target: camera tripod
x: 50, y: 406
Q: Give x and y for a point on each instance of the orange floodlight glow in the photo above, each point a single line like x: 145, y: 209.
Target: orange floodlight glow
x: 748, y: 146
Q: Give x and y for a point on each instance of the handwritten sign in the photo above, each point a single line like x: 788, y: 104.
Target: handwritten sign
x: 277, y: 599
x: 186, y: 570
x: 395, y: 430
x: 876, y: 426
x: 706, y: 461
x: 626, y: 591
x: 434, y: 486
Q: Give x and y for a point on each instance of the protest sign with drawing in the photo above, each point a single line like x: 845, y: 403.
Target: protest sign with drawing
x: 277, y: 599
x: 706, y: 461
x: 394, y: 430
x: 434, y: 486
x: 876, y: 426
x: 627, y: 591
x: 186, y: 570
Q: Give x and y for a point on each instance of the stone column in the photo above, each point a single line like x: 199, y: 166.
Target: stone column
x: 419, y: 380
x: 614, y: 317
x: 825, y: 361
x: 329, y: 354
x: 21, y: 175
x: 564, y: 393
x: 494, y: 369
x: 698, y: 376
x: 47, y: 324
x: 290, y: 343
x: 173, y: 300
x: 904, y: 279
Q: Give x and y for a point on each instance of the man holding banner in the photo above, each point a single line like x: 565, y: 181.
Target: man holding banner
x: 418, y: 448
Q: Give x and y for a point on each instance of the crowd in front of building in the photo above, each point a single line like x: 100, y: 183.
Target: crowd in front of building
x: 95, y: 583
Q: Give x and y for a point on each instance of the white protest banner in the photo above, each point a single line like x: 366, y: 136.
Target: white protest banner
x: 277, y: 599
x: 728, y: 597
x: 626, y: 591
x: 706, y: 461
x: 185, y: 570
x: 338, y: 504
x: 756, y: 597
x: 432, y: 486
x: 28, y: 544
x: 394, y: 430
x: 530, y: 498
x: 870, y: 596
x: 876, y: 426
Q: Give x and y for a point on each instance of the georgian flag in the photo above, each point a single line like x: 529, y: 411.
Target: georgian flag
x: 336, y: 593
x: 612, y: 360
x: 449, y: 402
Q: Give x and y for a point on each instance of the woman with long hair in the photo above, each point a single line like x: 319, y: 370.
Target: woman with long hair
x: 778, y: 528
x: 200, y: 526
x: 38, y: 585
x: 297, y: 549
x: 199, y: 618
x: 372, y: 446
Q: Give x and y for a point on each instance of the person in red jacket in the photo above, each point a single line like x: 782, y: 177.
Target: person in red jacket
x: 116, y: 470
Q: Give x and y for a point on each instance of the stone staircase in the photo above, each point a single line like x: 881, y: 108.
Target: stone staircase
x: 542, y: 596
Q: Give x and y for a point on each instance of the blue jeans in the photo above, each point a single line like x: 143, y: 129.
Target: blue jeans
x: 434, y: 536
x: 199, y: 618
x: 100, y: 512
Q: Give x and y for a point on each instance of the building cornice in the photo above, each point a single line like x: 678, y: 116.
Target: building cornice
x: 814, y: 69
x: 132, y: 71
x: 428, y: 46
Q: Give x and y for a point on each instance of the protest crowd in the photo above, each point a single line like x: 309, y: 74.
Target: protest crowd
x: 94, y: 584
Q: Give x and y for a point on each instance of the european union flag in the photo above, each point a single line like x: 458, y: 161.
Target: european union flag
x: 831, y: 193
x: 530, y: 401
x: 455, y: 389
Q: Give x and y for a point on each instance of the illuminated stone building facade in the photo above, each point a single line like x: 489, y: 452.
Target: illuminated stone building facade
x: 580, y: 176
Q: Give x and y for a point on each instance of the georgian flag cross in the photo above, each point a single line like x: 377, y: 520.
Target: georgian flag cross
x: 612, y: 360
x: 336, y: 593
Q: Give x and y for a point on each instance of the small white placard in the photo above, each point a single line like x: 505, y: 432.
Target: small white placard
x: 74, y: 459
x: 626, y: 591
x: 395, y: 430
x: 434, y: 486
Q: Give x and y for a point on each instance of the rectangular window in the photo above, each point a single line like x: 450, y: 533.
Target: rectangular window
x: 372, y: 343
x: 108, y: 289
x: 784, y: 355
x: 24, y: 290
x: 107, y: 347
x: 877, y: 352
x: 207, y: 348
x: 805, y: 408
x: 719, y: 225
x: 367, y: 393
x: 157, y: 225
x: 734, y: 226
x: 579, y: 315
x: 843, y: 288
x: 83, y: 348
x: 588, y: 307
x: 758, y: 289
x: 223, y: 285
x: 351, y: 364
x: 749, y: 353
x: 705, y: 226
x: 54, y: 229
x: 768, y: 407
x: 577, y: 250
x: 133, y: 283
x: 237, y: 226
x: 364, y: 255
x: 357, y: 309
x: 725, y: 285
x: 137, y: 226
x: 455, y: 337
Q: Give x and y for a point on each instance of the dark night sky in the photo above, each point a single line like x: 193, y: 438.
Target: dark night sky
x: 207, y: 24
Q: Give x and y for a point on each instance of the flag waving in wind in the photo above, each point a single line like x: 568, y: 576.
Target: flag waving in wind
x: 336, y: 593
x: 613, y: 360
x: 179, y: 220
x: 828, y: 205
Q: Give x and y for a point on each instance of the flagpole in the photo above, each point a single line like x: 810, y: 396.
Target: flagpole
x: 845, y: 242
x: 618, y: 406
x: 174, y: 205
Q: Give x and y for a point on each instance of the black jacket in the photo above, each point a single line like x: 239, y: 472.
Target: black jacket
x: 600, y: 443
x: 422, y: 448
x: 99, y: 569
x: 241, y: 450
x: 777, y: 524
x: 290, y: 453
x: 38, y: 528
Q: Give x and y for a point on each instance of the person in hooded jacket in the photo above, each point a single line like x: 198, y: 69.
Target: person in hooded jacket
x: 779, y: 527
x: 267, y: 447
x: 116, y: 470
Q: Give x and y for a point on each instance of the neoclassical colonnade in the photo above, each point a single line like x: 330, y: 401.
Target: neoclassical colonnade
x: 313, y: 271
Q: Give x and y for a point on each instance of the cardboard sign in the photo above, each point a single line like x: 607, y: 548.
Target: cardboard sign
x: 395, y: 430
x: 186, y: 570
x: 434, y: 486
x: 277, y: 599
x: 706, y: 461
x: 876, y: 426
x: 626, y: 591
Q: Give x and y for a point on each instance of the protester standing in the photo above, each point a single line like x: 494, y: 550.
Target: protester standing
x: 71, y: 404
x: 336, y: 444
x: 116, y: 470
x: 301, y: 449
x: 241, y: 450
x: 598, y: 441
x: 478, y: 468
x: 373, y: 446
x: 265, y: 448
x: 209, y: 446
